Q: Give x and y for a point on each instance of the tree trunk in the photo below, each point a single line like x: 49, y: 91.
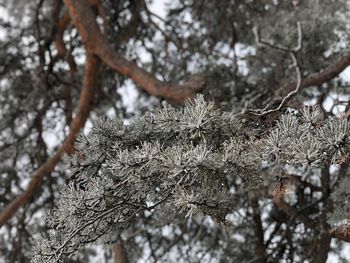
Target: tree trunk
x: 119, y: 253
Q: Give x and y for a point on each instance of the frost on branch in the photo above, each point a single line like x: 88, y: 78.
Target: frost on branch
x: 182, y: 157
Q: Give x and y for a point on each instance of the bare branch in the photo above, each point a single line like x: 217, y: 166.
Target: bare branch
x: 285, y: 93
x: 84, y: 108
x: 85, y: 22
x: 262, y: 112
x: 280, y: 47
x: 288, y: 96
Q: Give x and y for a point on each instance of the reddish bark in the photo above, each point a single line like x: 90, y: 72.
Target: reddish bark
x: 62, y: 51
x: 95, y: 44
x: 315, y: 79
x: 84, y: 108
x: 260, y: 247
x: 119, y: 253
x: 85, y: 21
x: 342, y: 232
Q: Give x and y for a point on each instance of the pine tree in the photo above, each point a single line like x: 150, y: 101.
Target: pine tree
x: 244, y: 173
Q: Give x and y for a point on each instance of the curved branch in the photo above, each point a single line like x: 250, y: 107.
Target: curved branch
x: 315, y: 79
x: 62, y: 51
x: 341, y: 232
x: 285, y: 93
x: 85, y: 22
x: 288, y: 96
x: 84, y: 108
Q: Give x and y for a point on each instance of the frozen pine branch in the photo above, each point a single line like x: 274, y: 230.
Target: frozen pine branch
x: 182, y: 157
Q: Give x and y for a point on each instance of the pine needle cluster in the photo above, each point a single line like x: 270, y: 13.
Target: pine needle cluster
x: 182, y: 157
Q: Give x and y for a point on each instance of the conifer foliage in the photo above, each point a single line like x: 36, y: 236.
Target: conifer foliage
x: 247, y: 175
x: 183, y: 157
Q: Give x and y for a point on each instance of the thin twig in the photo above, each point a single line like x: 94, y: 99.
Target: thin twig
x: 292, y: 52
x: 280, y: 47
x: 289, y: 95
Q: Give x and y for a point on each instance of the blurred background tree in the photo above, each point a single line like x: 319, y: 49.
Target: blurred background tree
x: 67, y: 63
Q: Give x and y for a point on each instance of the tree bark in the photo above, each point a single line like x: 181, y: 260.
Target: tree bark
x: 260, y: 247
x: 85, y: 21
x: 84, y: 108
x: 323, y: 240
x: 314, y: 79
x: 119, y: 253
